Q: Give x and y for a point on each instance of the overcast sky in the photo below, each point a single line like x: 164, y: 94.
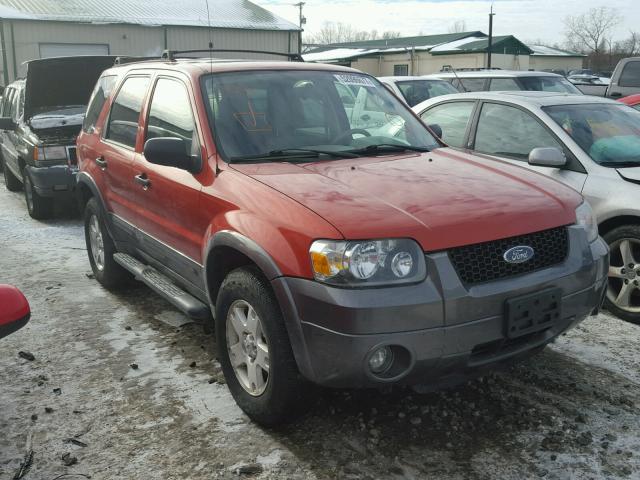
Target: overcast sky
x: 526, y: 19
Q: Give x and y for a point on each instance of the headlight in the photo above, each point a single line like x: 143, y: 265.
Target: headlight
x: 587, y: 220
x: 53, y: 153
x: 367, y: 262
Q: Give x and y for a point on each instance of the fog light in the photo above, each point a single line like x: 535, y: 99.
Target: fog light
x: 380, y: 360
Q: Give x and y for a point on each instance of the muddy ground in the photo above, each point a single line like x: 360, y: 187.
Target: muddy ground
x: 122, y: 388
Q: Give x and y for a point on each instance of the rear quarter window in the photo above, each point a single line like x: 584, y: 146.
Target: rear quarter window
x: 630, y: 76
x: 99, y: 97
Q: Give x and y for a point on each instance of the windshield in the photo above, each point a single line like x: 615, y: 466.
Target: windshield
x: 260, y: 113
x: 548, y: 84
x: 417, y: 91
x: 610, y: 134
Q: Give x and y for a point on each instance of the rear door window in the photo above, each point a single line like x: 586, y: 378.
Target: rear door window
x: 101, y: 92
x: 125, y: 112
x: 503, y: 85
x: 453, y: 118
x: 171, y: 115
x: 630, y: 76
x: 471, y: 84
x: 507, y: 131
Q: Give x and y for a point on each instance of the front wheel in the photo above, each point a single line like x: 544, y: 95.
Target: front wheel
x: 39, y: 207
x: 254, y: 349
x: 623, y: 289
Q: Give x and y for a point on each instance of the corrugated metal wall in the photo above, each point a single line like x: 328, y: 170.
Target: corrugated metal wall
x: 24, y: 37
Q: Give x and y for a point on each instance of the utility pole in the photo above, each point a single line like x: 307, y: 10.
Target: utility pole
x: 302, y: 21
x: 491, y: 14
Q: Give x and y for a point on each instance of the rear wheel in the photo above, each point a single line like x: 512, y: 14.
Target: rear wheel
x: 623, y: 290
x: 254, y: 349
x: 100, y: 248
x: 39, y: 207
x: 10, y: 180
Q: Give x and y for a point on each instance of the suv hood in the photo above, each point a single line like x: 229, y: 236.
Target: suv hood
x: 53, y: 83
x: 442, y: 199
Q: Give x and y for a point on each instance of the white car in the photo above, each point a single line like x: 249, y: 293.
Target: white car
x: 414, y: 90
x: 589, y: 143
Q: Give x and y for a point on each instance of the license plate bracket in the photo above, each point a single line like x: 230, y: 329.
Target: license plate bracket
x: 533, y: 312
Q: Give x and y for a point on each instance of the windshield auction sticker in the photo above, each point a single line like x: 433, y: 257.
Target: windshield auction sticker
x: 349, y: 79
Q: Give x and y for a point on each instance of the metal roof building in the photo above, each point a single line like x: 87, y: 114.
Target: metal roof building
x: 32, y: 29
x: 430, y: 53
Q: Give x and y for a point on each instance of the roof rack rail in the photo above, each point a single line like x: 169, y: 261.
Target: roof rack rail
x: 171, y: 54
x: 122, y: 59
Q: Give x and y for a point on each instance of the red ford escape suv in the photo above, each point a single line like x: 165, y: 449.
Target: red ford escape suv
x: 333, y: 242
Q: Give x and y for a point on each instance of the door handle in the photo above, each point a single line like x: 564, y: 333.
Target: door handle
x: 101, y: 162
x: 616, y: 94
x: 143, y: 180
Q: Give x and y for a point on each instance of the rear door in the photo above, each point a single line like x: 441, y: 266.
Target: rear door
x: 170, y: 222
x: 9, y: 137
x: 509, y: 132
x: 117, y: 147
x: 627, y: 81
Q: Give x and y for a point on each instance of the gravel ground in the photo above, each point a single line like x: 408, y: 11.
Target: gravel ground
x: 123, y: 386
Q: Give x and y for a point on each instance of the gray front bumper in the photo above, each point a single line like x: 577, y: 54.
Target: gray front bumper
x: 447, y: 328
x: 54, y: 181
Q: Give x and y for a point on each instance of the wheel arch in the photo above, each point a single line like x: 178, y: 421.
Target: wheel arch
x: 228, y: 250
x: 614, y: 222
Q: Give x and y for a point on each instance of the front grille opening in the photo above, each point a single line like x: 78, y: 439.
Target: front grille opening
x: 490, y: 349
x: 484, y: 262
x: 72, y: 156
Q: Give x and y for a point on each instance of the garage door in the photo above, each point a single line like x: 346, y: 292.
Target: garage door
x: 48, y: 50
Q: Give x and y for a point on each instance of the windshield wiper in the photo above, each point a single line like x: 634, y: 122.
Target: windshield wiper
x: 621, y: 164
x: 290, y: 155
x: 388, y: 147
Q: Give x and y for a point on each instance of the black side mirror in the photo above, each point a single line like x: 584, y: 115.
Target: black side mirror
x: 170, y: 152
x: 7, y: 123
x: 436, y: 129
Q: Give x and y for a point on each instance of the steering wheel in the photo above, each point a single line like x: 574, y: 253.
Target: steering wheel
x: 349, y: 134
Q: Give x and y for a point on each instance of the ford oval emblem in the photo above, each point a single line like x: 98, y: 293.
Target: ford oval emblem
x: 519, y: 254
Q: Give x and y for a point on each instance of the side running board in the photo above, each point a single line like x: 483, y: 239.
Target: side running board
x: 163, y: 286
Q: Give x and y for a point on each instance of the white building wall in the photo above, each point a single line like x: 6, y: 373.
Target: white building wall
x: 555, y: 63
x: 424, y: 63
x: 136, y: 40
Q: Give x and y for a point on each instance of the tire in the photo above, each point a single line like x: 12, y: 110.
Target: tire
x: 281, y: 398
x: 10, y: 180
x: 111, y: 275
x: 40, y: 208
x: 624, y: 243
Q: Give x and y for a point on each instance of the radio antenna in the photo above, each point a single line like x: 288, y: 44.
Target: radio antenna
x: 210, y: 36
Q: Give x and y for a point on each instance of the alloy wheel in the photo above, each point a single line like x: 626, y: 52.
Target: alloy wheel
x: 624, y: 275
x: 248, y: 348
x: 97, y: 243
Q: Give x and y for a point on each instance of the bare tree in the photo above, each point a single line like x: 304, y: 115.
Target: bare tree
x: 590, y: 31
x: 459, y: 26
x: 630, y: 47
x: 338, y: 32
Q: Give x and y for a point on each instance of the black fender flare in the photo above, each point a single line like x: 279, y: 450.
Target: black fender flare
x: 255, y: 253
x: 84, y: 179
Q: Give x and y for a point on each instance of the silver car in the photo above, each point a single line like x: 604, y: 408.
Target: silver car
x: 589, y: 143
x: 414, y: 90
